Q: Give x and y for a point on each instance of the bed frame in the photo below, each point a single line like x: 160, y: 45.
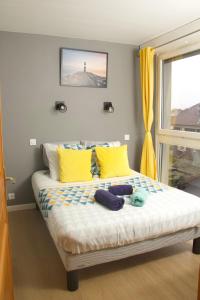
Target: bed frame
x: 73, y: 263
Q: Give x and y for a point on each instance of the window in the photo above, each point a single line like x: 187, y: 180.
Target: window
x: 181, y: 92
x: 182, y: 167
x: 178, y: 120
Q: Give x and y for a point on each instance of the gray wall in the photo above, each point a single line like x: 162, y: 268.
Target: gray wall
x: 29, y: 78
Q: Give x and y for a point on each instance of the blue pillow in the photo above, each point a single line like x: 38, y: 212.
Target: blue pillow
x: 74, y: 146
x: 95, y: 167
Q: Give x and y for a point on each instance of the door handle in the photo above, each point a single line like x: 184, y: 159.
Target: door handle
x: 11, y: 179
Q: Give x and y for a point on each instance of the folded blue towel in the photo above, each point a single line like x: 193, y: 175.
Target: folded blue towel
x: 139, y: 197
x: 109, y: 200
x: 123, y: 189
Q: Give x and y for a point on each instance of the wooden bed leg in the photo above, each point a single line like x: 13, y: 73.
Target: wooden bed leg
x: 37, y: 207
x: 196, y: 246
x: 72, y: 280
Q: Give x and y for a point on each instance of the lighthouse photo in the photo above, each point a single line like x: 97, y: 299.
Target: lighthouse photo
x: 83, y: 68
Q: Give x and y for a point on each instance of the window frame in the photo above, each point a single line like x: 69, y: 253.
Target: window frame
x: 170, y: 136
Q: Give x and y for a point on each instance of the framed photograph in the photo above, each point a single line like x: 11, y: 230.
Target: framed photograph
x: 83, y: 68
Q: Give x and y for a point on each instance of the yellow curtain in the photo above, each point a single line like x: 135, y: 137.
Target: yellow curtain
x: 148, y: 160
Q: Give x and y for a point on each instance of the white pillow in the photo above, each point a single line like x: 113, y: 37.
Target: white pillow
x: 52, y: 157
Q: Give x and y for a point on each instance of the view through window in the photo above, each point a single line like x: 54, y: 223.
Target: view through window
x: 182, y: 167
x: 181, y: 111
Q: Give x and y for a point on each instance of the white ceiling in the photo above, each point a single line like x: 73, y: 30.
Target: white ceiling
x: 123, y: 21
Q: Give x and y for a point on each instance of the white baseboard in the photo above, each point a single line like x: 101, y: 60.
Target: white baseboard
x: 21, y: 206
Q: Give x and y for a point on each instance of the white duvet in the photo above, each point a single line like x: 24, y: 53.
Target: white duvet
x: 80, y: 229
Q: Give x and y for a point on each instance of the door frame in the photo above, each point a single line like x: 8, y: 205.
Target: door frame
x: 6, y: 273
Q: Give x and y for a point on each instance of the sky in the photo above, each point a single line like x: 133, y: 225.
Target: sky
x: 73, y: 61
x: 185, y: 82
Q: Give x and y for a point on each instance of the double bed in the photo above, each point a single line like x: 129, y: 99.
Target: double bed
x: 86, y: 233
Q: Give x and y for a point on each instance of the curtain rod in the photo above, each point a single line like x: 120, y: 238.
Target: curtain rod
x: 176, y: 39
x: 179, y: 38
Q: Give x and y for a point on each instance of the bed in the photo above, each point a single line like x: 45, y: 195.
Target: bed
x: 86, y: 233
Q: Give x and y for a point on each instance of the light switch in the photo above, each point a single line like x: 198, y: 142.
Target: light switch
x: 33, y: 142
x: 127, y: 137
x: 11, y: 196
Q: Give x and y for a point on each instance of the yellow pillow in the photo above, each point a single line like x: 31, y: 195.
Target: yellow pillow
x: 113, y: 161
x: 74, y: 165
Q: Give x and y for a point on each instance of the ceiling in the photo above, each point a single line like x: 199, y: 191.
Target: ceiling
x: 123, y: 21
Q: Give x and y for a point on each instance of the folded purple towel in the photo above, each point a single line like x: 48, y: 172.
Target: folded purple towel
x: 125, y: 189
x: 109, y: 200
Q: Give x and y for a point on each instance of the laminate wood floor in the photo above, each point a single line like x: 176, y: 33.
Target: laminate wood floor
x: 170, y: 273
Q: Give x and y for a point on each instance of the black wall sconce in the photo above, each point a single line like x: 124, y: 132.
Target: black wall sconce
x: 60, y: 106
x: 108, y: 107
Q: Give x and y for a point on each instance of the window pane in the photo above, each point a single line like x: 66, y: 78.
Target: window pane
x: 181, y: 93
x: 181, y: 165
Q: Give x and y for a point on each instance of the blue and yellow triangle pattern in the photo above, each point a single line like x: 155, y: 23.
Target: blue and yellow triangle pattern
x: 84, y: 194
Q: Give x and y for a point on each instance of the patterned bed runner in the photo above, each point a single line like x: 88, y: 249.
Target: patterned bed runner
x: 84, y: 194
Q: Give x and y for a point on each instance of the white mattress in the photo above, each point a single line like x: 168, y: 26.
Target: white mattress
x: 80, y: 229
